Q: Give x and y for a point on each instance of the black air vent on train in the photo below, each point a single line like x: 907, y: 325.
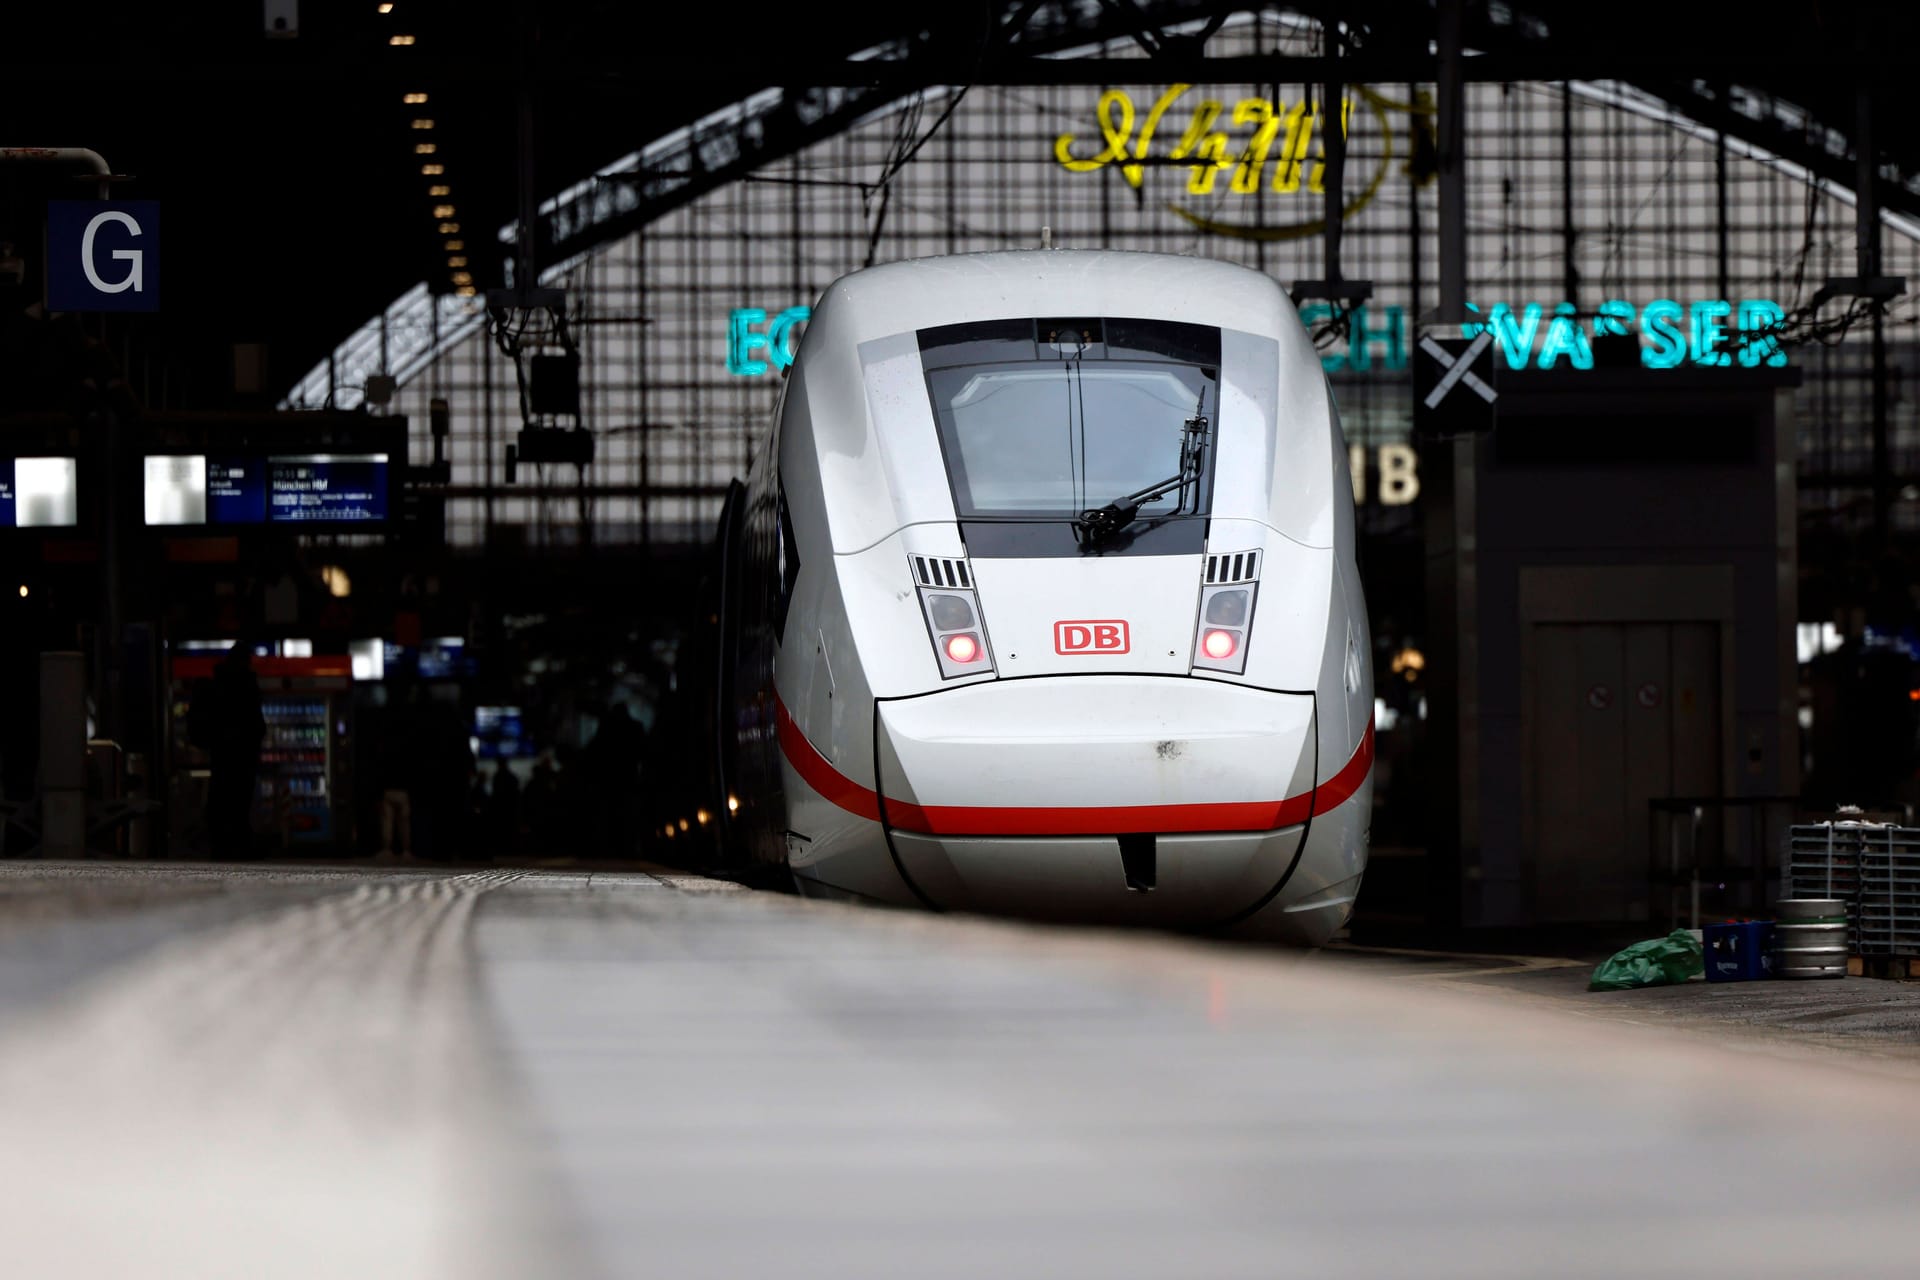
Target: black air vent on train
x: 940, y: 571
x: 1238, y: 566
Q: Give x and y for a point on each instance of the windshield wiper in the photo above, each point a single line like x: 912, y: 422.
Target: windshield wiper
x: 1098, y: 525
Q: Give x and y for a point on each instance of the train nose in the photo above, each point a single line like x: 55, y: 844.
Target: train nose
x: 1117, y: 798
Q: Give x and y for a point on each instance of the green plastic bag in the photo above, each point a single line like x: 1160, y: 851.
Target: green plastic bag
x: 1653, y: 963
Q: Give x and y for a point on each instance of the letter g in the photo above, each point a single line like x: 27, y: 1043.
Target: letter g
x: 132, y: 256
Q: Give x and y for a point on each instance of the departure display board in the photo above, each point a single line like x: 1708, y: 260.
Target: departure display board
x: 317, y: 488
x: 501, y: 733
x: 39, y: 493
x: 236, y: 490
x: 345, y: 488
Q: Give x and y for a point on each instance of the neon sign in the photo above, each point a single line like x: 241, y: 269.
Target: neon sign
x: 1211, y: 152
x: 777, y: 340
x: 1712, y: 333
x: 1707, y: 334
x: 1370, y: 345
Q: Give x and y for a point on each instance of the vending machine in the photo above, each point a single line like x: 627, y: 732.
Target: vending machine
x: 295, y: 790
x: 303, y: 790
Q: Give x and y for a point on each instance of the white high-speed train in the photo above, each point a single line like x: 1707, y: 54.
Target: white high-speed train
x: 1041, y: 600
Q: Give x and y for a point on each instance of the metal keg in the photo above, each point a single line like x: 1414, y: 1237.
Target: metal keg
x: 1810, y: 938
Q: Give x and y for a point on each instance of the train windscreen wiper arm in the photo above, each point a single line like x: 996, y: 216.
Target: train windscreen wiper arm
x: 1097, y: 525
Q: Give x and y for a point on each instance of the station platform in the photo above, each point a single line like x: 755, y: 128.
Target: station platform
x: 215, y: 1071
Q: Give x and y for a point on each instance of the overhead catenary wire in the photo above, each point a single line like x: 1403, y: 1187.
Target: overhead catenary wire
x: 986, y: 178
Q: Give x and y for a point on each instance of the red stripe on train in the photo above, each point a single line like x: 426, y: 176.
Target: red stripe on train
x: 1067, y: 820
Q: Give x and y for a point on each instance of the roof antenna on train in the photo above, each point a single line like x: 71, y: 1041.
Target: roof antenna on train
x: 1046, y: 237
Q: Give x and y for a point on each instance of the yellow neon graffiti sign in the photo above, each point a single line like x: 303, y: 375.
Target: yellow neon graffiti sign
x: 1208, y: 151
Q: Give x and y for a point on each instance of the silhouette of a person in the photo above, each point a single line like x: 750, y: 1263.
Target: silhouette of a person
x: 613, y: 769
x: 503, y: 811
x: 238, y: 725
x: 542, y: 802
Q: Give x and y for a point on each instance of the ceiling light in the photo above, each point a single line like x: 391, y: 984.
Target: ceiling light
x: 423, y: 123
x: 467, y: 291
x: 400, y: 41
x: 432, y: 170
x: 457, y: 260
x: 455, y: 246
x: 443, y: 211
x: 462, y: 277
x: 414, y: 99
x: 424, y: 148
x: 387, y: 7
x: 439, y: 190
x: 449, y: 228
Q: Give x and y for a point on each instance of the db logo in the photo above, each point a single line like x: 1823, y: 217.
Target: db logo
x: 1090, y: 636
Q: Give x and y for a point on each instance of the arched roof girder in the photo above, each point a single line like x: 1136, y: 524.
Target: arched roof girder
x: 1036, y: 42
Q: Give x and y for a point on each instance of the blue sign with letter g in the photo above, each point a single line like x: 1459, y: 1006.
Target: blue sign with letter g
x: 103, y: 255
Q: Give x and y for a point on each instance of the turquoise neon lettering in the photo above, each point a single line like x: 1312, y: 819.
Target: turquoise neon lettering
x: 1673, y: 334
x: 1315, y: 313
x: 1709, y: 333
x: 1614, y: 317
x: 1393, y: 333
x: 1565, y: 338
x: 780, y: 334
x: 1669, y: 345
x: 743, y: 341
x: 1515, y: 339
x: 1758, y: 321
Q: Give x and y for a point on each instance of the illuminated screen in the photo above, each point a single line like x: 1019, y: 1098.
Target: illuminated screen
x: 39, y: 493
x: 322, y: 486
x: 236, y: 490
x: 176, y: 489
x: 501, y: 733
x: 444, y: 658
x: 232, y: 489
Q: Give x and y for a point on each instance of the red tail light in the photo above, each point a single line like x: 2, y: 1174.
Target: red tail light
x: 953, y: 617
x: 1221, y: 633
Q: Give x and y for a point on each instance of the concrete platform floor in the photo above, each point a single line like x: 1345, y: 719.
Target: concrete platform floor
x: 291, y: 1072
x: 1870, y: 1024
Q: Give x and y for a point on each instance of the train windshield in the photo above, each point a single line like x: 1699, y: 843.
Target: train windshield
x: 1042, y: 420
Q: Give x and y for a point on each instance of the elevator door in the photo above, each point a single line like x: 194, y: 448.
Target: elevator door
x: 1617, y: 714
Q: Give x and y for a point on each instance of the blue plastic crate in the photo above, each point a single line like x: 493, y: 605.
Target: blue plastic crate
x: 1738, y: 952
